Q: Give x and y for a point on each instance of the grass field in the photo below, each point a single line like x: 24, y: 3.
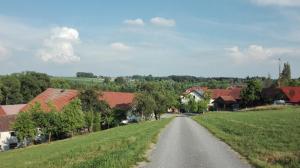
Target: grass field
x: 113, y: 148
x: 268, y: 138
x: 81, y: 80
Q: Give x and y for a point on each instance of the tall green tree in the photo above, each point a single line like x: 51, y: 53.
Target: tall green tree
x: 11, y: 90
x: 25, y: 127
x: 251, y: 94
x: 285, y: 76
x: 144, y: 105
x: 73, y: 117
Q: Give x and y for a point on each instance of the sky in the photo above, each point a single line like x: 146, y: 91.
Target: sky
x: 228, y: 38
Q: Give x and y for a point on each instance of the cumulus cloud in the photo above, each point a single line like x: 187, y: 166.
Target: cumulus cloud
x: 134, y: 22
x: 258, y: 54
x: 287, y: 3
x: 159, y: 21
x: 59, y: 46
x: 118, y: 46
x: 3, y: 52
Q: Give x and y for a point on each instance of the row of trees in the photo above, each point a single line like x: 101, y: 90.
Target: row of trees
x: 22, y: 87
x: 35, y: 123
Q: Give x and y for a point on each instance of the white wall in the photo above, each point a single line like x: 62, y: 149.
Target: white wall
x: 6, y: 139
x: 185, y: 99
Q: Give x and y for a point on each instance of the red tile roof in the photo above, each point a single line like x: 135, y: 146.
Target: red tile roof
x: 233, y: 92
x: 228, y: 98
x: 58, y: 97
x: 2, y: 113
x: 117, y: 99
x: 6, y: 122
x: 11, y: 109
x: 292, y: 93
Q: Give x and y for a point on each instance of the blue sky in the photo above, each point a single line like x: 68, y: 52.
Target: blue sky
x: 236, y: 38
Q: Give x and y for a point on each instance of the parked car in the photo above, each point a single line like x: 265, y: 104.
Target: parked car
x: 279, y: 102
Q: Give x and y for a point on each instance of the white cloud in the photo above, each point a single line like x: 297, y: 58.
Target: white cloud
x: 259, y: 54
x: 159, y: 21
x: 287, y: 3
x: 135, y: 22
x: 117, y: 46
x: 3, y: 52
x: 59, y: 47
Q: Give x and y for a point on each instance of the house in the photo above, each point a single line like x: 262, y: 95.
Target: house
x: 221, y: 99
x: 196, y: 92
x: 225, y: 99
x: 8, y: 139
x: 290, y: 94
x: 57, y: 98
x: 118, y: 100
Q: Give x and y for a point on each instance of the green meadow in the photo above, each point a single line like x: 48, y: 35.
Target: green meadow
x: 267, y: 138
x: 114, y: 148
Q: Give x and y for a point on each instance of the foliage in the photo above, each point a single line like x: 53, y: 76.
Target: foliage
x: 72, y: 117
x: 197, y: 106
x: 120, y: 80
x: 268, y: 138
x: 118, y: 147
x: 24, y: 126
x: 10, y: 89
x: 89, y: 100
x: 144, y: 105
x: 285, y: 75
x: 60, y: 83
x: 85, y: 75
x: 251, y: 94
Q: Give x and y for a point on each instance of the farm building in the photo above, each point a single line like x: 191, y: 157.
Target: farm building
x: 221, y: 99
x: 8, y: 140
x: 288, y: 94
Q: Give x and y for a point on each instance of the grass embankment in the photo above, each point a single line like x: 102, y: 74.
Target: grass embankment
x: 116, y: 147
x: 268, y: 138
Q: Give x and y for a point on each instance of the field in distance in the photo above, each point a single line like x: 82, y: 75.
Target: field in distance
x: 117, y: 147
x: 267, y: 138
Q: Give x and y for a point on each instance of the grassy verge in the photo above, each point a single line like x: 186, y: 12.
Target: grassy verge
x: 117, y: 147
x: 268, y: 138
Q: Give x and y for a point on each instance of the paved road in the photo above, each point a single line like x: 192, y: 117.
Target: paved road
x: 186, y: 144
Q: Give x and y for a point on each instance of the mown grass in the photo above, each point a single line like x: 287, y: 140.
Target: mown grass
x: 114, y: 148
x: 268, y: 138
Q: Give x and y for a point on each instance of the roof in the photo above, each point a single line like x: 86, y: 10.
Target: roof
x: 195, y: 88
x: 233, y: 92
x: 11, y: 109
x: 117, y: 99
x: 6, y: 122
x: 2, y: 113
x: 292, y: 93
x: 227, y: 98
x: 58, y: 97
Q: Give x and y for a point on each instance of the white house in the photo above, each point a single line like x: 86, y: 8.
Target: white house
x: 8, y: 114
x: 196, y: 92
x: 8, y: 139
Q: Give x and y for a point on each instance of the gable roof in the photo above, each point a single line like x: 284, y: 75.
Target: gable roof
x: 11, y: 109
x: 57, y: 97
x: 292, y: 93
x: 6, y: 122
x: 117, y: 99
x: 233, y: 92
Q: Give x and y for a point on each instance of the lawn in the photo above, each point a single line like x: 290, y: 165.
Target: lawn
x: 117, y: 147
x: 269, y: 138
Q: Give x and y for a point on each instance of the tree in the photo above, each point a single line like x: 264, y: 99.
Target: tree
x: 285, y: 76
x: 144, y: 105
x: 120, y: 80
x: 85, y: 75
x: 60, y: 83
x: 251, y: 94
x: 11, y: 90
x: 72, y: 117
x: 32, y: 84
x: 25, y: 127
x: 89, y: 100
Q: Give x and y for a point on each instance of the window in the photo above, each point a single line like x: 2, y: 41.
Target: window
x: 12, y: 134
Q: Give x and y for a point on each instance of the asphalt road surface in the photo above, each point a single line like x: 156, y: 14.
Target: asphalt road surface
x: 186, y: 144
